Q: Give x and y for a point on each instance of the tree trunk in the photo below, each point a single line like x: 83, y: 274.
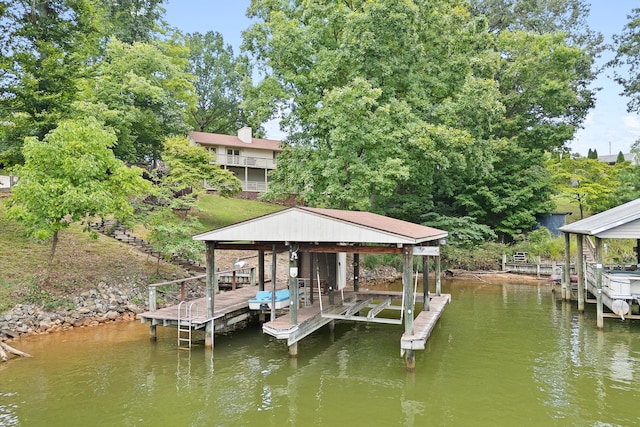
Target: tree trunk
x: 4, y: 348
x: 54, y: 244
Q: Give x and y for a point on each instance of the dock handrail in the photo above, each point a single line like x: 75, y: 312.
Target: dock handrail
x: 153, y: 289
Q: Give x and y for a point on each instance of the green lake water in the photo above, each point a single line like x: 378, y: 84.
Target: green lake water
x: 501, y: 355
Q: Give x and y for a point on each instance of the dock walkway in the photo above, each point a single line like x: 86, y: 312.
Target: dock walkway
x: 226, y: 305
x: 424, y: 323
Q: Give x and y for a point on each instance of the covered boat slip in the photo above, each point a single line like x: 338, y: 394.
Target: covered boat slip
x: 317, y: 242
x: 618, y: 290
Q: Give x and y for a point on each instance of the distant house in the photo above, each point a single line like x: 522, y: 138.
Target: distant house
x: 250, y: 159
x: 628, y: 157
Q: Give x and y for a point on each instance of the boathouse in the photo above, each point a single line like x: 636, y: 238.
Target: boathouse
x: 615, y: 287
x: 316, y: 238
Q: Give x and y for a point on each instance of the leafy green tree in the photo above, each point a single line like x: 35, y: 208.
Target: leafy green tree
x: 171, y: 236
x: 189, y: 166
x: 44, y: 48
x: 133, y: 21
x: 587, y: 181
x: 218, y: 86
x: 143, y: 91
x: 627, y: 60
x: 72, y: 176
x: 412, y: 106
x: 620, y: 157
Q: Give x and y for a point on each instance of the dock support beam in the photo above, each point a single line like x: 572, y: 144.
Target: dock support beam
x: 293, y: 285
x: 212, y: 287
x: 566, y: 273
x: 580, y: 267
x: 438, y: 274
x: 599, y: 308
x: 425, y: 282
x: 261, y: 270
x: 407, y: 289
x: 293, y: 350
x: 356, y: 272
x: 209, y: 335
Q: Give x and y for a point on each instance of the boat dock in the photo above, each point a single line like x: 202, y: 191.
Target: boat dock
x: 231, y: 311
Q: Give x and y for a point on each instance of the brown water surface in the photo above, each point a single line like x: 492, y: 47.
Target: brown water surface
x: 501, y: 355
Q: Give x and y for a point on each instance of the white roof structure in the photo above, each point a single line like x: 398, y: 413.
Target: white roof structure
x: 315, y: 225
x: 621, y: 222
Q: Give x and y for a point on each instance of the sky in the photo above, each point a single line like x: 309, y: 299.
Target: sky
x: 608, y: 128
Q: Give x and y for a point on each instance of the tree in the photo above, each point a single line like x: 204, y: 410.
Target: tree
x: 133, y: 21
x: 627, y: 60
x: 143, y: 91
x: 620, y: 157
x: 189, y: 166
x: 218, y: 86
x: 587, y: 181
x: 405, y: 107
x: 187, y: 169
x: 72, y: 176
x: 44, y: 48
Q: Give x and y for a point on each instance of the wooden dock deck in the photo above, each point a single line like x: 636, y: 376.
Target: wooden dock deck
x: 226, y: 304
x: 310, y: 319
x: 424, y: 323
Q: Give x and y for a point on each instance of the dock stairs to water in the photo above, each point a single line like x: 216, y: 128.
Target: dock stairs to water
x: 185, y: 321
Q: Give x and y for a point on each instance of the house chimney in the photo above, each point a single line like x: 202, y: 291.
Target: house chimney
x: 244, y: 134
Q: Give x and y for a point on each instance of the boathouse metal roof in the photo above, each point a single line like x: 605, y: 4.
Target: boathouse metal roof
x: 303, y: 224
x: 621, y: 222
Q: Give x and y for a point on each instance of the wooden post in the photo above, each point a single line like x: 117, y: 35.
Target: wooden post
x: 211, y: 277
x: 273, y: 281
x: 293, y: 350
x: 152, y: 299
x: 233, y: 280
x: 566, y: 274
x: 538, y: 261
x: 599, y: 259
x: 425, y: 282
x: 504, y: 262
x: 261, y: 270
x: 580, y: 267
x: 152, y: 307
x: 312, y: 269
x: 356, y: 272
x: 438, y: 272
x: 407, y: 289
x: 209, y: 341
x: 293, y: 285
x: 410, y: 360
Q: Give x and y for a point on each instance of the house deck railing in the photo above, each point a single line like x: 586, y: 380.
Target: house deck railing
x: 248, y: 161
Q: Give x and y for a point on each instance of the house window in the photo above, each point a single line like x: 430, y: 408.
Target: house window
x: 233, y: 156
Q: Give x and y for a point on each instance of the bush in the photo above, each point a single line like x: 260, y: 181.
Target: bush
x: 486, y: 256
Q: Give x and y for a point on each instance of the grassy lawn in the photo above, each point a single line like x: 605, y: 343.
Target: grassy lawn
x: 215, y: 211
x: 81, y: 262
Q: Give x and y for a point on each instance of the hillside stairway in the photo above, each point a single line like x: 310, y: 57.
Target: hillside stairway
x: 112, y: 228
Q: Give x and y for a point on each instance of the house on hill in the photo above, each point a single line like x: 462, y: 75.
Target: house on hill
x: 250, y: 159
x: 613, y: 158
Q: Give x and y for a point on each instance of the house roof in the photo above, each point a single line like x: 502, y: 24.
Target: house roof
x: 612, y: 158
x: 621, y: 222
x: 302, y: 224
x: 216, y: 139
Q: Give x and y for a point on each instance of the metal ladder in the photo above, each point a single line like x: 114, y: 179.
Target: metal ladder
x: 184, y: 324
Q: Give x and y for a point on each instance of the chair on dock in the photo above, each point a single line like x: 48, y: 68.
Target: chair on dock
x: 263, y: 300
